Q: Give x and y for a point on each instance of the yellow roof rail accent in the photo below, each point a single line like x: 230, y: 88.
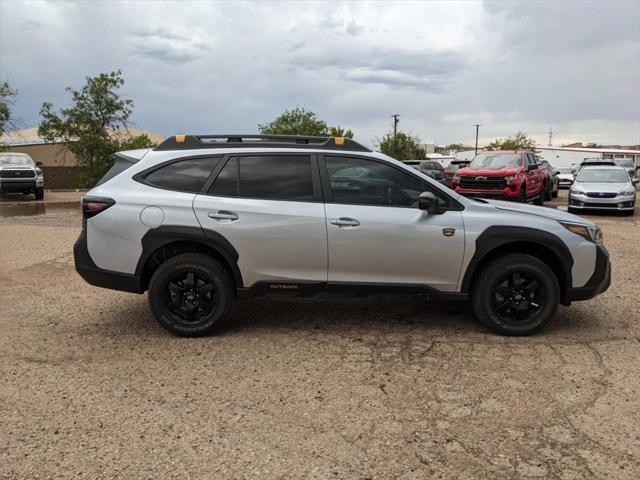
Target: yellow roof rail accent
x: 180, y: 138
x: 339, y: 140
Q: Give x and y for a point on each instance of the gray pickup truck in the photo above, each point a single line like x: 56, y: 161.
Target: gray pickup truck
x: 20, y: 174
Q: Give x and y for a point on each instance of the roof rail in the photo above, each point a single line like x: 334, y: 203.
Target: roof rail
x: 191, y: 142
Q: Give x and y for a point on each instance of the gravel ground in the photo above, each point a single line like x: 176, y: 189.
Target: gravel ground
x: 375, y: 388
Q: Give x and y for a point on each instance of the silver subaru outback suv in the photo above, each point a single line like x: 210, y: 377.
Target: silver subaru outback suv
x: 203, y: 221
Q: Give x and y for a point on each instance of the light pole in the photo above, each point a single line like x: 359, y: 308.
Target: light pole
x: 477, y: 125
x: 396, y: 120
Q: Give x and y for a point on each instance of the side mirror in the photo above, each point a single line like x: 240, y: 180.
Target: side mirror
x: 428, y: 202
x: 38, y: 164
x: 532, y: 167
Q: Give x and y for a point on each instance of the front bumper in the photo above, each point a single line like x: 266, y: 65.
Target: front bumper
x: 599, y: 281
x: 99, y: 277
x: 615, y: 204
x: 22, y: 185
x: 507, y: 192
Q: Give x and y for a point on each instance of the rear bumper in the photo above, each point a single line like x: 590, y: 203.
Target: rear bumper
x: 599, y: 281
x: 99, y: 277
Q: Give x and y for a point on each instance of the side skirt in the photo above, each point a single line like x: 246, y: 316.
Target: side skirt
x: 281, y: 289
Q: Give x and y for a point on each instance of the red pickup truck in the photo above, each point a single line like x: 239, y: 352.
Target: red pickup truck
x: 503, y: 174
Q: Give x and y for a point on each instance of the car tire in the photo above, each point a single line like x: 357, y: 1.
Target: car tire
x: 555, y: 191
x: 548, y: 193
x: 39, y: 193
x: 539, y: 200
x: 522, y: 198
x: 516, y: 294
x: 192, y: 294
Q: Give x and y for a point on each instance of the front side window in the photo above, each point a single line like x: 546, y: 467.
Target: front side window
x: 493, y: 161
x: 358, y: 181
x: 273, y: 177
x: 184, y: 175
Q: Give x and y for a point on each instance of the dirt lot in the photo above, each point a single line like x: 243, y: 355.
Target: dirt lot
x: 378, y: 388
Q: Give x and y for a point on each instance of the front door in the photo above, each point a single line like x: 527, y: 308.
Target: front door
x: 377, y: 234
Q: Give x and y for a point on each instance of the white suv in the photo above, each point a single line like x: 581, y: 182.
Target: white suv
x: 201, y: 221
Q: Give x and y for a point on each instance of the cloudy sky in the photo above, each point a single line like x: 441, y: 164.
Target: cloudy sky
x: 221, y: 67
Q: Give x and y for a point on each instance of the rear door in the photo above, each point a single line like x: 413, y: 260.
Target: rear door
x: 533, y: 176
x: 377, y: 234
x: 269, y: 207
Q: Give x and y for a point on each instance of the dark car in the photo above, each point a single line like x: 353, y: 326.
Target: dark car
x: 428, y: 167
x: 450, y: 170
x: 552, y: 180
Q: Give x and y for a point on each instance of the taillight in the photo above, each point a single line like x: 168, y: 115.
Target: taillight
x: 92, y: 206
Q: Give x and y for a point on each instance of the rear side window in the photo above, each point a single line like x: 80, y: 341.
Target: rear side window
x: 273, y: 177
x: 226, y: 183
x: 120, y: 165
x: 184, y: 175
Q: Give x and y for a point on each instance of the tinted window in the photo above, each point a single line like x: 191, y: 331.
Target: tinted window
x: 431, y: 166
x: 184, y: 175
x: 276, y: 177
x: 494, y: 161
x: 226, y: 183
x: 358, y: 181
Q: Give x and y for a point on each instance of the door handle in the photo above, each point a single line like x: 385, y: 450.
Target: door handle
x: 223, y: 215
x: 344, y: 222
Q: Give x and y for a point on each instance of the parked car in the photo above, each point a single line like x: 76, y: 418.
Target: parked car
x: 566, y: 175
x: 20, y: 174
x: 202, y: 221
x: 509, y: 175
x: 628, y: 164
x: 552, y: 180
x: 450, y: 170
x: 603, y: 188
x: 428, y: 167
x: 595, y: 162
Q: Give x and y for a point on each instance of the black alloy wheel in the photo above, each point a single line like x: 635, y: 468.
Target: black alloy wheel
x: 515, y: 294
x: 192, y: 294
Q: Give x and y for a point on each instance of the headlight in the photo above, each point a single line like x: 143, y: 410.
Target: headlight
x: 626, y: 193
x: 591, y: 233
x: 575, y: 191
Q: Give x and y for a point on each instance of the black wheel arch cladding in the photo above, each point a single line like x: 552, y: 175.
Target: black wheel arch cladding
x: 165, y: 235
x: 497, y: 237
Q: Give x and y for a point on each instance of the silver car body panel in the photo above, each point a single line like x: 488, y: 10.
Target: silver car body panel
x: 281, y: 240
x: 591, y: 197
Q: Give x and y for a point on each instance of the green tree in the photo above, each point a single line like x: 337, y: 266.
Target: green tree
x: 593, y: 145
x: 92, y: 128
x: 301, y: 121
x: 7, y: 97
x: 452, y: 147
x: 519, y: 141
x: 402, y: 147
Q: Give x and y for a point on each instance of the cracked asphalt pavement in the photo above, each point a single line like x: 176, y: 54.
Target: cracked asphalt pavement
x: 377, y: 388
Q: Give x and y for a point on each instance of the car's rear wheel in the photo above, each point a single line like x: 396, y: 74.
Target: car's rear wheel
x: 191, y: 294
x: 516, y: 294
x: 539, y: 200
x: 39, y: 193
x: 548, y: 192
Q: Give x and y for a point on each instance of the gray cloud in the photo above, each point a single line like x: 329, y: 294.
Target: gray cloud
x: 219, y: 67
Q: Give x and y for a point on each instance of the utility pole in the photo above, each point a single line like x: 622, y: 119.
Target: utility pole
x: 550, y: 135
x: 477, y: 125
x: 396, y: 120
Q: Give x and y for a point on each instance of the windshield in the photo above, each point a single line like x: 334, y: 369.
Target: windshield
x: 494, y: 161
x: 566, y: 170
x: 15, y: 160
x: 624, y: 162
x: 604, y: 175
x: 430, y: 166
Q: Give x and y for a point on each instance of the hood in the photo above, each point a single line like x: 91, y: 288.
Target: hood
x: 602, y: 186
x: 472, y: 172
x: 546, y: 212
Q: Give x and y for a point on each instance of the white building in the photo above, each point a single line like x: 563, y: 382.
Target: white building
x: 568, y: 156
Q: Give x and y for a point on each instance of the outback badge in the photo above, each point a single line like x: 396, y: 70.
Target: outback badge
x: 448, y: 232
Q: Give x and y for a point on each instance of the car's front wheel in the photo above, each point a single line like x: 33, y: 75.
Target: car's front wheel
x: 191, y: 294
x: 516, y: 294
x: 39, y: 193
